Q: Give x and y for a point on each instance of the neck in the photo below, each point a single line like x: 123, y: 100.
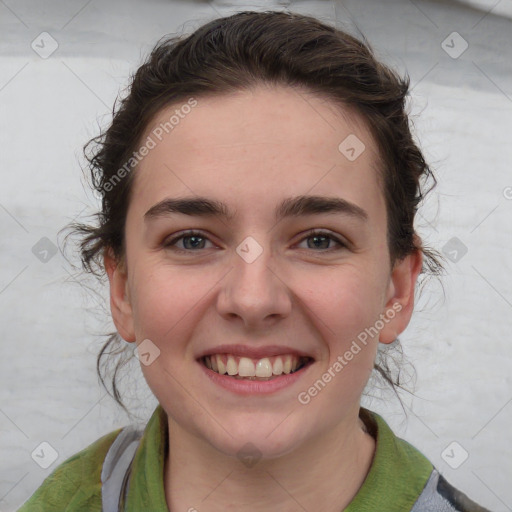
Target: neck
x: 323, y: 474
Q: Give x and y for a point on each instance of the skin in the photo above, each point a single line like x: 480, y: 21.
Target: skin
x: 251, y: 150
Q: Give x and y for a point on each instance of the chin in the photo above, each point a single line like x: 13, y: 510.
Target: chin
x: 257, y: 439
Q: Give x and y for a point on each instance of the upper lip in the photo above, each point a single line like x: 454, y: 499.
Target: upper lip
x: 254, y: 352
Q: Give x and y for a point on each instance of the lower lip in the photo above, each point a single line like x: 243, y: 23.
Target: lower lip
x: 255, y: 387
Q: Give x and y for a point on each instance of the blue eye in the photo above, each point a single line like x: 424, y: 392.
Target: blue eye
x: 193, y: 240
x: 321, y: 236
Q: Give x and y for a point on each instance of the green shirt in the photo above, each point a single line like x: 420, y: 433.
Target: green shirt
x: 396, y: 478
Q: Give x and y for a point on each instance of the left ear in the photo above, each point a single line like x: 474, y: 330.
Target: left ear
x: 400, y: 297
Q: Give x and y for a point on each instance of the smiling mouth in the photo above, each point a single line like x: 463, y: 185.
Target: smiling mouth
x: 245, y: 368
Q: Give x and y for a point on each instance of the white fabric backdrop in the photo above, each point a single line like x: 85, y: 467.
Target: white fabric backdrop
x: 462, y: 108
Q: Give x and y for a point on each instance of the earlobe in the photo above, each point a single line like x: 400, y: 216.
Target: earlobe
x: 120, y: 305
x: 400, y: 296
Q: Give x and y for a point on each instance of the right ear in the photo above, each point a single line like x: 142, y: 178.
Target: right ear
x: 120, y: 305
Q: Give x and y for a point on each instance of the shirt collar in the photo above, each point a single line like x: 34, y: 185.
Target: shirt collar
x: 398, y: 473
x: 396, y: 477
x: 146, y: 490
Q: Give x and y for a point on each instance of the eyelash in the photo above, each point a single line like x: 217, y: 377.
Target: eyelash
x: 188, y: 234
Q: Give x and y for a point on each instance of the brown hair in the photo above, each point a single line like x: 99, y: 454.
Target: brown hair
x: 235, y: 53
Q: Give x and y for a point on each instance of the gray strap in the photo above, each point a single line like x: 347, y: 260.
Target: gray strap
x: 439, y: 496
x: 430, y: 500
x: 115, y: 466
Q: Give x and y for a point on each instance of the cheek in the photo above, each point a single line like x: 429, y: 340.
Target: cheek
x: 165, y: 299
x: 344, y: 309
x: 167, y: 308
x: 345, y: 303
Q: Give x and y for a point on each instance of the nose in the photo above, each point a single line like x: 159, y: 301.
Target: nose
x: 255, y: 290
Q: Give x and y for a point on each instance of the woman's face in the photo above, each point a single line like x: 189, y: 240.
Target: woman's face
x: 258, y: 285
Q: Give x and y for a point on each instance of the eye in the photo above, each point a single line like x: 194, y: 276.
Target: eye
x: 321, y: 239
x: 195, y: 240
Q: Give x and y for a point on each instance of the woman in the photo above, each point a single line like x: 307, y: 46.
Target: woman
x: 259, y: 188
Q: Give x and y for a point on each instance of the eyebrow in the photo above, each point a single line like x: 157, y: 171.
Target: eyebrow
x: 290, y: 207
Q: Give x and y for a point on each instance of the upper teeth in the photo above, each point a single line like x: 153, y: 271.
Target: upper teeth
x: 246, y: 367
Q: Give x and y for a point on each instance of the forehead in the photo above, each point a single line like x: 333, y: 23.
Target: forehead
x: 253, y: 148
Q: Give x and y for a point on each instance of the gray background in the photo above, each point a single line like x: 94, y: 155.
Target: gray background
x: 51, y: 317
